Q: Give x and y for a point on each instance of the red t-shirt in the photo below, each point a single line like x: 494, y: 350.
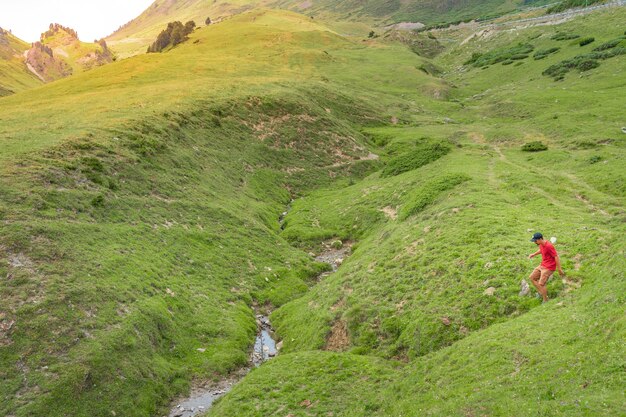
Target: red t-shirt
x: 547, y: 256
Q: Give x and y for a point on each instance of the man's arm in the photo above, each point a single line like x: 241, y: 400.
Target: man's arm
x: 558, y: 265
x: 532, y: 255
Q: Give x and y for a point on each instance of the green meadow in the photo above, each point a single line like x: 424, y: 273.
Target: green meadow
x: 140, y: 205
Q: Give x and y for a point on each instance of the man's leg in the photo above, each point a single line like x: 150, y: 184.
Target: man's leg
x: 543, y: 281
x: 534, y: 277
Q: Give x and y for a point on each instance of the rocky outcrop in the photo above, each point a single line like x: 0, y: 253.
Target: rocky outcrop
x: 40, y: 60
x: 60, y: 53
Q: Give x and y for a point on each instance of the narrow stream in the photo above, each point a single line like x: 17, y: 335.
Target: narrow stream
x: 202, y: 398
x: 265, y: 346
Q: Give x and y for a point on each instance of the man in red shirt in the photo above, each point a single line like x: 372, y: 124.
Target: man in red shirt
x: 549, y: 263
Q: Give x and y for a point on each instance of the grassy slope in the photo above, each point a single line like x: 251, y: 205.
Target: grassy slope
x: 14, y: 76
x: 140, y: 207
x: 134, y: 37
x: 498, y: 353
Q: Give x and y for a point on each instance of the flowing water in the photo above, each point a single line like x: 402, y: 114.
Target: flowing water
x: 202, y: 398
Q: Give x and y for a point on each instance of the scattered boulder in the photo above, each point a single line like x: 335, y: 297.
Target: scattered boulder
x: 524, y: 288
x: 490, y: 291
x: 446, y: 321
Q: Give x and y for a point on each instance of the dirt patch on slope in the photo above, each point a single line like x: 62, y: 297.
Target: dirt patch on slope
x: 338, y: 340
x: 390, y: 212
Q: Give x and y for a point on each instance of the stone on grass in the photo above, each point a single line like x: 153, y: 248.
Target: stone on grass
x: 524, y: 288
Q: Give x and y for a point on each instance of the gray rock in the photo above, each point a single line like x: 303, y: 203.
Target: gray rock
x: 524, y: 288
x: 490, y: 291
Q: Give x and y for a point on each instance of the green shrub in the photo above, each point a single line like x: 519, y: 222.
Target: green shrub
x: 520, y: 51
x: 586, y: 41
x: 564, y: 36
x: 429, y: 192
x: 583, y: 62
x: 535, y: 146
x: 611, y: 44
x: 587, y: 64
x: 98, y: 201
x: 422, y: 155
x: 542, y: 53
x: 595, y: 159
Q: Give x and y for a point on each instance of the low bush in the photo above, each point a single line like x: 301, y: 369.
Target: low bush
x: 583, y: 62
x: 586, y: 41
x: 611, y: 44
x: 422, y: 155
x: 520, y: 51
x: 535, y: 146
x: 564, y: 36
x: 587, y: 64
x: 543, y: 53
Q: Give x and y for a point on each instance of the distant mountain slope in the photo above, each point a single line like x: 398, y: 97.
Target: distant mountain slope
x: 14, y: 75
x: 60, y: 53
x: 134, y: 37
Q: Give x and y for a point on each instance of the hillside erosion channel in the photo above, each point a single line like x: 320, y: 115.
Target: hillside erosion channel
x: 204, y: 395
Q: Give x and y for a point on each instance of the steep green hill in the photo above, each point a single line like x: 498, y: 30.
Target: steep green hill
x: 14, y: 75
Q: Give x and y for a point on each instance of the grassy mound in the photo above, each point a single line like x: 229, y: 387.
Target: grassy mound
x: 422, y: 155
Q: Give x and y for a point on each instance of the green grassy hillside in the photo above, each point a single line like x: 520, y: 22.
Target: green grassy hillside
x: 432, y: 285
x: 135, y: 36
x: 140, y: 204
x: 14, y: 75
x: 140, y: 207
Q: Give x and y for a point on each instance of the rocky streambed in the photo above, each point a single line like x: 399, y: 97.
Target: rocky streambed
x: 265, y: 346
x: 202, y: 397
